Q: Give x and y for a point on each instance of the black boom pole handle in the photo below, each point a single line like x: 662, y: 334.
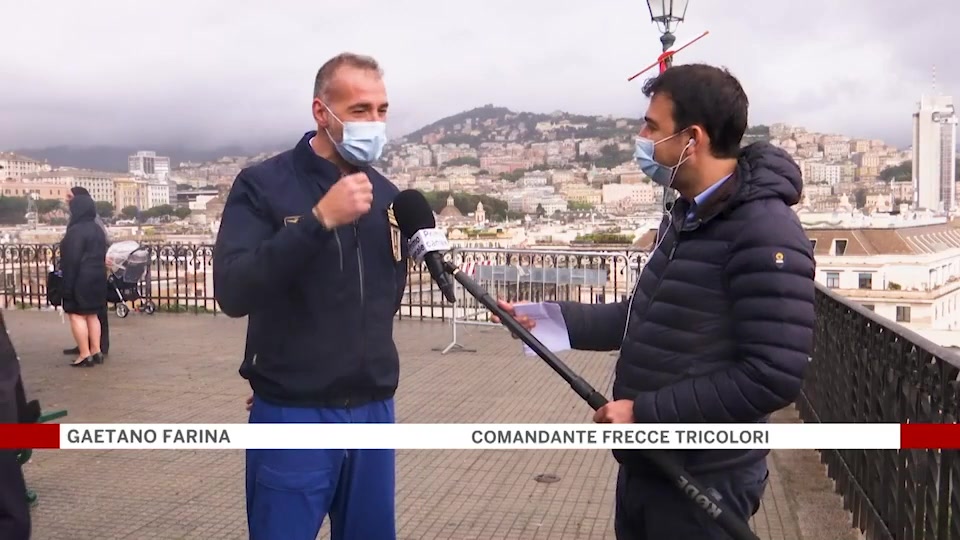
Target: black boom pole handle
x: 670, y: 468
x: 596, y: 400
x: 694, y: 490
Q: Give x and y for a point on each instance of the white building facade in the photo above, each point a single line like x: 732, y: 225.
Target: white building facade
x: 920, y: 291
x: 149, y: 164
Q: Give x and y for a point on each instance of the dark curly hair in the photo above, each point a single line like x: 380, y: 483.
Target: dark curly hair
x: 708, y: 97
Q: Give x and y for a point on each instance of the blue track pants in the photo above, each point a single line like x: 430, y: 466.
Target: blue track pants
x: 290, y: 492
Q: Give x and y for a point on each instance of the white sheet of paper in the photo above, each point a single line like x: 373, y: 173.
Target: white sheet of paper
x: 550, y: 329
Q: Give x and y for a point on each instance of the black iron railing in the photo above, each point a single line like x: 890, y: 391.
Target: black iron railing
x: 868, y: 369
x: 864, y: 368
x: 179, y: 277
x: 24, y: 269
x: 532, y: 275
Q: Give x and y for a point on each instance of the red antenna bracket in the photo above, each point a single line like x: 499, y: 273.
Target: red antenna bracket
x: 662, y: 59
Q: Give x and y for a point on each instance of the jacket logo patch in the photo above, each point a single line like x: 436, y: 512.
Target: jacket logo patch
x: 290, y: 220
x: 778, y: 259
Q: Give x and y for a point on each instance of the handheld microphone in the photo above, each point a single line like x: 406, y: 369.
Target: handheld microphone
x: 427, y: 243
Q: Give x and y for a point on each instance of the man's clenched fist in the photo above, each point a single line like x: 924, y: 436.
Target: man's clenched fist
x: 346, y: 201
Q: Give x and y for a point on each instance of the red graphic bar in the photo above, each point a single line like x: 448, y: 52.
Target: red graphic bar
x: 923, y: 436
x: 32, y: 436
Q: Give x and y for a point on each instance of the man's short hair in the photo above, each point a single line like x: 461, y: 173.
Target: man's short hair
x: 79, y: 190
x: 709, y: 97
x: 327, y: 70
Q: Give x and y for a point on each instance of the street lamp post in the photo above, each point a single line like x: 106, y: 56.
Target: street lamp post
x: 666, y: 14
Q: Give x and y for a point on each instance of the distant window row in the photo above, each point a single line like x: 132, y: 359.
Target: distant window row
x: 864, y: 280
x: 903, y: 312
x: 839, y: 246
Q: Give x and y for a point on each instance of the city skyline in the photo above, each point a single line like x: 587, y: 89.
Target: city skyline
x: 195, y: 76
x: 107, y: 158
x: 529, y: 164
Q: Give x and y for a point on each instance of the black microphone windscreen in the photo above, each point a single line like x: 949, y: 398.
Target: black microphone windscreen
x: 413, y: 212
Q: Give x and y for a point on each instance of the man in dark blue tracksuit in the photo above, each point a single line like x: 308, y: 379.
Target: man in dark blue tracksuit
x: 308, y: 250
x: 720, y: 326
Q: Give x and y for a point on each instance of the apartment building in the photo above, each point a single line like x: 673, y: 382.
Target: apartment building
x: 582, y: 193
x: 149, y: 164
x: 628, y: 195
x: 13, y: 187
x: 910, y: 275
x: 817, y: 172
x: 129, y: 191
x: 99, y: 184
x: 158, y: 194
x: 17, y: 166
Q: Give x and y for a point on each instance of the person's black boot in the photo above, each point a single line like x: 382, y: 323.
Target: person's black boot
x: 73, y: 351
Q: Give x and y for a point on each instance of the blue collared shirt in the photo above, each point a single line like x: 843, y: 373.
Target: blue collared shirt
x: 698, y: 200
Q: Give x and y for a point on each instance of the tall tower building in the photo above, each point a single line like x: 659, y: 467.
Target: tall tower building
x: 149, y: 164
x: 935, y: 154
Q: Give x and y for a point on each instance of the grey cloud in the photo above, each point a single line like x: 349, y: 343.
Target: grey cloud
x: 218, y: 72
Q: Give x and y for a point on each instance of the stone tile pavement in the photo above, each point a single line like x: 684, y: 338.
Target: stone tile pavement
x: 183, y: 368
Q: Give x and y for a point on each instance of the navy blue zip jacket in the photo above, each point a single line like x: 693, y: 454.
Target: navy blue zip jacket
x: 720, y: 327
x: 320, y: 302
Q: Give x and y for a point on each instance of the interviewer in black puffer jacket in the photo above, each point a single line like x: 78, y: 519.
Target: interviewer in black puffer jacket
x: 83, y: 253
x: 720, y: 326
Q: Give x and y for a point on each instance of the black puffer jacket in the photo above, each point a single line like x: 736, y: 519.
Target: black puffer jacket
x: 721, y: 323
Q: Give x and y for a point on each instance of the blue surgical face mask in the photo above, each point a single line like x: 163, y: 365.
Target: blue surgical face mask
x: 362, y: 142
x: 661, y: 174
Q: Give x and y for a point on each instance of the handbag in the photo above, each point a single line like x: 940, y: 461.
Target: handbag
x: 55, y: 288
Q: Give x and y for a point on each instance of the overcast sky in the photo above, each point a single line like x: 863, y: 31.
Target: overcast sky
x: 216, y: 72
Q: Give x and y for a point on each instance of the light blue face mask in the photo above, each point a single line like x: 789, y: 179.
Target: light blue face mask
x: 362, y: 142
x: 661, y: 174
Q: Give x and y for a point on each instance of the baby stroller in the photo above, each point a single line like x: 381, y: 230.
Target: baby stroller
x: 128, y: 263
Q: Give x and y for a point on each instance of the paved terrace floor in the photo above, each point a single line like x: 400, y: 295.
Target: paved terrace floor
x: 183, y: 368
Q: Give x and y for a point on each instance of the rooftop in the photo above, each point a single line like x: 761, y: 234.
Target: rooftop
x: 869, y: 241
x: 72, y: 172
x: 919, y: 240
x: 183, y: 368
x: 11, y: 156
